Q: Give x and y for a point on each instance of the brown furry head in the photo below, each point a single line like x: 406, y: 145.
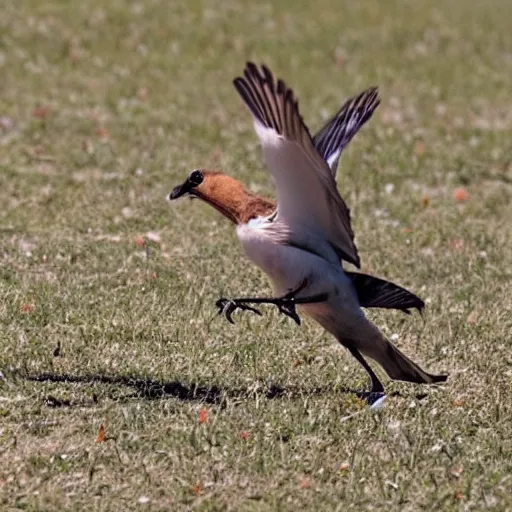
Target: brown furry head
x: 225, y: 194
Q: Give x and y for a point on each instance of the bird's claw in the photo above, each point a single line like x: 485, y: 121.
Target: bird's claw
x: 287, y: 307
x: 285, y: 304
x: 228, y: 307
x: 374, y: 399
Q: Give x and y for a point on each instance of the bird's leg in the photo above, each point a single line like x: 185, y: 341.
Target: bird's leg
x: 286, y: 304
x: 377, y: 390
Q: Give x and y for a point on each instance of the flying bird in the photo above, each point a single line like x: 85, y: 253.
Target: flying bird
x: 235, y: 202
x: 301, y: 245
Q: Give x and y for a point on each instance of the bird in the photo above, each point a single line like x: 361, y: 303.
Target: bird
x: 229, y: 196
x: 301, y: 245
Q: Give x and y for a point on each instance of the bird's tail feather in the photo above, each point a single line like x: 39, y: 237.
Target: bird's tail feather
x: 398, y: 366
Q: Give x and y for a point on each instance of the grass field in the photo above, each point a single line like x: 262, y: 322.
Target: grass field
x: 108, y: 291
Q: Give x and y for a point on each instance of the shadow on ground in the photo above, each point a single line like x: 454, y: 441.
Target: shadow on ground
x: 150, y: 389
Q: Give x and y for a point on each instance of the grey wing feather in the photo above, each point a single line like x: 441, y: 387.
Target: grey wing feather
x: 274, y: 107
x: 339, y: 130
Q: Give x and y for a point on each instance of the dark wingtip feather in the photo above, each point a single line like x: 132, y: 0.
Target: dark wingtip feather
x: 267, y: 74
x: 250, y: 66
x: 260, y: 91
x: 373, y: 292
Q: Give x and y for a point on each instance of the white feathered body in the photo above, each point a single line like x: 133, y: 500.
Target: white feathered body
x: 287, y: 266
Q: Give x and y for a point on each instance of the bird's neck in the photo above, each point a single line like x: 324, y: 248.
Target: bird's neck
x: 239, y: 207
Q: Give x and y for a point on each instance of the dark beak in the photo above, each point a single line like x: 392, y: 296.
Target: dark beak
x: 180, y: 190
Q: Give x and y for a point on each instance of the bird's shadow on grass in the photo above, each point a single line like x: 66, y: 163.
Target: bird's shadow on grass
x: 150, y: 389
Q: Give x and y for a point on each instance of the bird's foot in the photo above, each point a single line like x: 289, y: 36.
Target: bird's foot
x: 285, y: 304
x: 374, y: 399
x: 228, y: 306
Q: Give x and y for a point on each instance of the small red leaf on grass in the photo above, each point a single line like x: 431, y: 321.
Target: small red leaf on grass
x: 27, y: 308
x: 459, y: 496
x: 198, y: 488
x: 456, y: 471
x: 101, y: 434
x: 345, y: 466
x: 140, y: 241
x: 245, y: 435
x: 102, y: 132
x: 41, y: 112
x: 456, y: 243
x: 458, y: 402
x: 425, y: 201
x: 304, y: 483
x: 419, y: 148
x: 203, y: 416
x: 460, y: 194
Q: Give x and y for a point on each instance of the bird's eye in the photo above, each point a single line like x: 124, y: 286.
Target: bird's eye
x: 196, y: 178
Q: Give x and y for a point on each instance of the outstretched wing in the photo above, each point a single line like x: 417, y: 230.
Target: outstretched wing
x: 339, y: 130
x: 309, y: 204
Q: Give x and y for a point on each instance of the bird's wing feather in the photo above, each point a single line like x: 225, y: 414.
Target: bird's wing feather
x: 339, y: 130
x: 309, y: 203
x: 373, y: 292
